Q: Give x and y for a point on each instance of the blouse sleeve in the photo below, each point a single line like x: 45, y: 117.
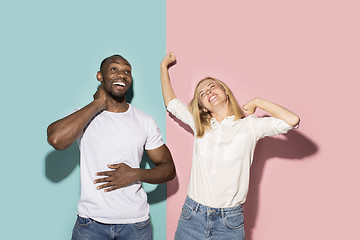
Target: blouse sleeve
x: 269, y: 126
x: 181, y: 112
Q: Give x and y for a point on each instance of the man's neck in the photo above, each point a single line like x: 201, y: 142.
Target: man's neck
x: 117, y: 106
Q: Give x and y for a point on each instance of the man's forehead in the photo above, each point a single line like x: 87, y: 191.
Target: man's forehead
x: 118, y: 60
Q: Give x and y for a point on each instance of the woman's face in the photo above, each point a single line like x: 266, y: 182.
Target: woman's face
x: 211, y: 94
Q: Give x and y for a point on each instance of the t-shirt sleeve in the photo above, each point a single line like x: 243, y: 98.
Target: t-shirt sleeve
x: 268, y: 126
x: 154, y: 137
x: 181, y: 112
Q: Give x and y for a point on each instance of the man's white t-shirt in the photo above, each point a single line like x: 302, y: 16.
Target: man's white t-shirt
x: 112, y: 138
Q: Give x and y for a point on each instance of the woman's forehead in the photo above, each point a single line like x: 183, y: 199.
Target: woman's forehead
x: 205, y: 83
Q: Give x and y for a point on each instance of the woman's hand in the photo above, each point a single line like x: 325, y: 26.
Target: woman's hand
x: 168, y: 59
x: 167, y: 90
x: 250, y: 107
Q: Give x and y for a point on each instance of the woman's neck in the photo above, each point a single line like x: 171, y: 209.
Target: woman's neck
x: 221, y: 113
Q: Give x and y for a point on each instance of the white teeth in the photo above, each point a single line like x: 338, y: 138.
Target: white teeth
x: 214, y: 96
x: 121, y: 84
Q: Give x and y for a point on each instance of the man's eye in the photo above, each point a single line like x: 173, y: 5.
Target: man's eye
x: 127, y: 72
x: 212, y: 86
x: 113, y: 69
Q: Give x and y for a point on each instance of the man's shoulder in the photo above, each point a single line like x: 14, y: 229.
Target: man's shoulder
x: 140, y: 113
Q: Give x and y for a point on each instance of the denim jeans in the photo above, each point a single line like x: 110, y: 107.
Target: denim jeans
x: 88, y: 229
x: 201, y: 222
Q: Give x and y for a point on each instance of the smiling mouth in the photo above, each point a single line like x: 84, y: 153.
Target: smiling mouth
x: 212, y: 98
x: 120, y: 84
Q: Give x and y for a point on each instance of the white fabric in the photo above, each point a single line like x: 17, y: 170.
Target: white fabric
x: 115, y: 138
x: 222, y: 157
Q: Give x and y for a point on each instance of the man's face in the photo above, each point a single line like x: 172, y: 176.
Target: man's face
x: 116, y: 77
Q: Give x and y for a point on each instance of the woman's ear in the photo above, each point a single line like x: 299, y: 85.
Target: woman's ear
x: 99, y: 76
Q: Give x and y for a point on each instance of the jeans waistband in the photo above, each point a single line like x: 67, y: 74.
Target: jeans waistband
x: 197, y: 207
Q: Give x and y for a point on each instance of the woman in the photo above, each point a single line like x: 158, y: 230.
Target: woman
x: 224, y: 144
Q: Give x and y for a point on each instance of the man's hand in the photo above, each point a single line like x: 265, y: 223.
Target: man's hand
x: 168, y: 59
x: 100, y: 97
x: 120, y: 177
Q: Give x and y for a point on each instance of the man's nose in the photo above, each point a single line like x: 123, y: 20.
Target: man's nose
x: 121, y: 74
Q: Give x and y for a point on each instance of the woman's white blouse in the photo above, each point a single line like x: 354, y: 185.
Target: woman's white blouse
x: 222, y: 157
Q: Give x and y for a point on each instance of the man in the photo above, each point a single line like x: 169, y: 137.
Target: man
x: 113, y: 134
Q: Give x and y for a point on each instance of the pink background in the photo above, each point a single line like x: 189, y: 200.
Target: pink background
x: 305, y: 56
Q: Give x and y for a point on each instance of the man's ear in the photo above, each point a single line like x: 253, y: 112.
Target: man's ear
x: 99, y: 76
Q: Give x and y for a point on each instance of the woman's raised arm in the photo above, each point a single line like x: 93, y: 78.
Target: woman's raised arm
x: 167, y: 90
x: 274, y: 109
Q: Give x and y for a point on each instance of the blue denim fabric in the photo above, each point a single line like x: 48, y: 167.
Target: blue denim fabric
x: 201, y: 222
x: 88, y: 229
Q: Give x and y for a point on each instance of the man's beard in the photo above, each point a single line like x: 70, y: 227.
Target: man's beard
x: 118, y: 98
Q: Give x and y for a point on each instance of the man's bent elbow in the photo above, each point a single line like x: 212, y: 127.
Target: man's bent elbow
x: 172, y: 173
x: 55, y: 143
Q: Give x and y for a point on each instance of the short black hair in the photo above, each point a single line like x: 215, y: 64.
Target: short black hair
x: 103, y: 61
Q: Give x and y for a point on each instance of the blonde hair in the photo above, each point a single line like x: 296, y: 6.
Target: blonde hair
x: 202, y: 118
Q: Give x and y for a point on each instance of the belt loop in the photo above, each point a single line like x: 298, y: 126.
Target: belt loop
x: 197, y: 207
x: 222, y: 213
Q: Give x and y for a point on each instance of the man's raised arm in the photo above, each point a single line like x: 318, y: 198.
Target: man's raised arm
x: 62, y: 133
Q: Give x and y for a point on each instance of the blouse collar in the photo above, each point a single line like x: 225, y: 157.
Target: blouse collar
x: 228, y: 121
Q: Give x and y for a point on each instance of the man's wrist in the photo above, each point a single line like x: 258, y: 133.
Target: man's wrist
x: 138, y: 174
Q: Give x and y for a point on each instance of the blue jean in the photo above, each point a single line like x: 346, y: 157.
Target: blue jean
x: 88, y: 229
x: 201, y: 222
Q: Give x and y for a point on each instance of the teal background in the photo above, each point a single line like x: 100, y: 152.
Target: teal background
x: 50, y: 52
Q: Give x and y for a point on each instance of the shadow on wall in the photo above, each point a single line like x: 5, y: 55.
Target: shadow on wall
x: 173, y: 185
x: 294, y: 148
x: 181, y: 124
x: 60, y: 164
